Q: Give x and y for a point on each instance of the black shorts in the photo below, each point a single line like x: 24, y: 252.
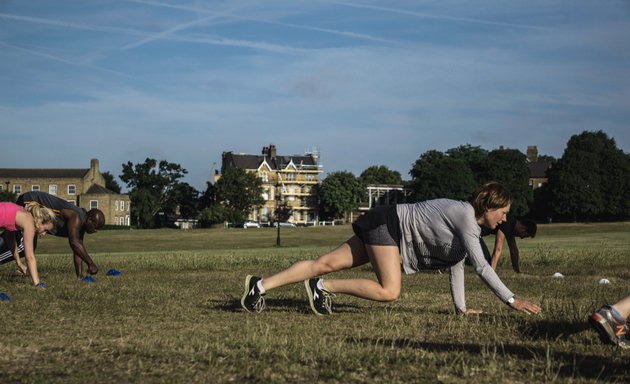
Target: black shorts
x: 379, y: 226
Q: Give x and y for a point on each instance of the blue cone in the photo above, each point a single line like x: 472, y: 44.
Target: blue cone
x: 113, y: 272
x: 88, y: 279
x: 4, y: 297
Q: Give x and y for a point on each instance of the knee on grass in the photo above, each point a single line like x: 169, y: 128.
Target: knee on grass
x: 389, y: 294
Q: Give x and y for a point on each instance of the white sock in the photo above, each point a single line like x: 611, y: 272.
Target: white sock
x: 260, y: 287
x: 320, y: 284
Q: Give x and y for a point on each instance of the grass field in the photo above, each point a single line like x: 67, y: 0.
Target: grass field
x: 174, y: 315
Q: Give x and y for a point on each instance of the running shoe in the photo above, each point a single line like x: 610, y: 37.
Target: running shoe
x: 319, y: 299
x: 253, y: 300
x: 610, y: 330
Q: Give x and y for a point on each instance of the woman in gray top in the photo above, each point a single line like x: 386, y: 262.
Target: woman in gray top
x: 433, y: 234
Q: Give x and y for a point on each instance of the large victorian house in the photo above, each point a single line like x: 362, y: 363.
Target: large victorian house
x: 291, y: 180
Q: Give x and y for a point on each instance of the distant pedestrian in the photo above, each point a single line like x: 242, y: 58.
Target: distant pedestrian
x: 610, y: 321
x: 31, y: 221
x: 428, y: 235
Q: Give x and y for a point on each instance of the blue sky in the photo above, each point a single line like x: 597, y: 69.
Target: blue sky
x: 366, y: 83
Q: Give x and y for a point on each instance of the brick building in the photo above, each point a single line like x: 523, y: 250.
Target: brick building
x: 537, y: 168
x: 84, y: 187
x: 291, y: 179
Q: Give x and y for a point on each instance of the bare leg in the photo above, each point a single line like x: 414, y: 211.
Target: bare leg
x: 623, y: 306
x: 386, y: 263
x: 350, y: 254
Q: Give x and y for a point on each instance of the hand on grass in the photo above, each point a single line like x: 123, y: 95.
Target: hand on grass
x: 525, y: 306
x: 22, y: 269
x: 472, y: 312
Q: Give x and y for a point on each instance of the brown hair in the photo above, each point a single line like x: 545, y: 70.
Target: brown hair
x: 41, y: 214
x: 491, y: 195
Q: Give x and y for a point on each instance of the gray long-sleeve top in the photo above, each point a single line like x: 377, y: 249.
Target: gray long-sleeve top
x: 441, y: 233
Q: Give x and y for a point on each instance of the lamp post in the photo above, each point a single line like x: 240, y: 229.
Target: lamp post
x: 278, y: 190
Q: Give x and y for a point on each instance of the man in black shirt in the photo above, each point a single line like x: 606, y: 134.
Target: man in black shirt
x: 71, y: 222
x: 507, y: 230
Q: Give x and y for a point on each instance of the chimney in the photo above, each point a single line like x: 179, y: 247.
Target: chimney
x: 94, y: 167
x: 272, y: 151
x: 532, y: 153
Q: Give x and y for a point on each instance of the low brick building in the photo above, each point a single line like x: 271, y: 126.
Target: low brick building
x: 84, y: 187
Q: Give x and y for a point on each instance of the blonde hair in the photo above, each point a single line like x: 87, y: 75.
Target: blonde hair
x: 41, y: 214
x: 491, y: 195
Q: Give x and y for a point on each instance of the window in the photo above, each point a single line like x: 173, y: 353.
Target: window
x: 290, y: 176
x: 128, y: 204
x: 126, y: 220
x: 264, y: 176
x: 93, y: 204
x: 72, y: 189
x: 17, y: 188
x: 116, y: 218
x: 35, y: 187
x: 116, y: 205
x: 72, y: 202
x: 1, y: 188
x: 52, y: 189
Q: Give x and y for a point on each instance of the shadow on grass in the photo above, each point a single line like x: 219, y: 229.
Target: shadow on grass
x: 552, y: 330
x: 284, y: 305
x: 567, y: 364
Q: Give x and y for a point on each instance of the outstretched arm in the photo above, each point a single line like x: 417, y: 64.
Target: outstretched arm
x: 24, y: 220
x: 498, y: 249
x: 75, y: 239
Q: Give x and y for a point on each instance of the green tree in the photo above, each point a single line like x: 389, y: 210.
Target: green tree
x: 591, y: 178
x: 509, y: 167
x: 380, y: 174
x: 151, y: 185
x: 239, y: 192
x: 339, y: 195
x: 9, y: 196
x: 213, y: 214
x: 436, y: 175
x: 111, y: 183
x: 184, y: 199
x: 474, y: 156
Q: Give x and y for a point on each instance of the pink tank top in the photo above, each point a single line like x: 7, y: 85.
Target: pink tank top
x: 8, y: 212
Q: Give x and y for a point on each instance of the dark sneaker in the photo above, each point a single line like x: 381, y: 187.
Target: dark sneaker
x: 253, y: 300
x: 319, y: 299
x: 609, y: 329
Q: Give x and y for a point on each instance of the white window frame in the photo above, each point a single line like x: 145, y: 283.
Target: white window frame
x: 75, y: 189
x: 128, y: 205
x: 72, y: 202
x: 52, y: 189
x: 92, y: 205
x: 35, y: 188
x: 17, y: 188
x: 116, y: 205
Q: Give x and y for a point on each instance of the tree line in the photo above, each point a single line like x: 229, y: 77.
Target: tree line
x: 591, y: 181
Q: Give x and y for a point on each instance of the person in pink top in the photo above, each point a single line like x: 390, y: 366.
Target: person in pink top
x: 31, y: 221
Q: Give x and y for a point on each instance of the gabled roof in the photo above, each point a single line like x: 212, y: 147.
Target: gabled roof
x: 42, y: 173
x: 98, y: 190
x: 253, y: 162
x: 538, y: 169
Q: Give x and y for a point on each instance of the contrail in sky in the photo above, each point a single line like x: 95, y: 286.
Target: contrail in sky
x: 432, y: 16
